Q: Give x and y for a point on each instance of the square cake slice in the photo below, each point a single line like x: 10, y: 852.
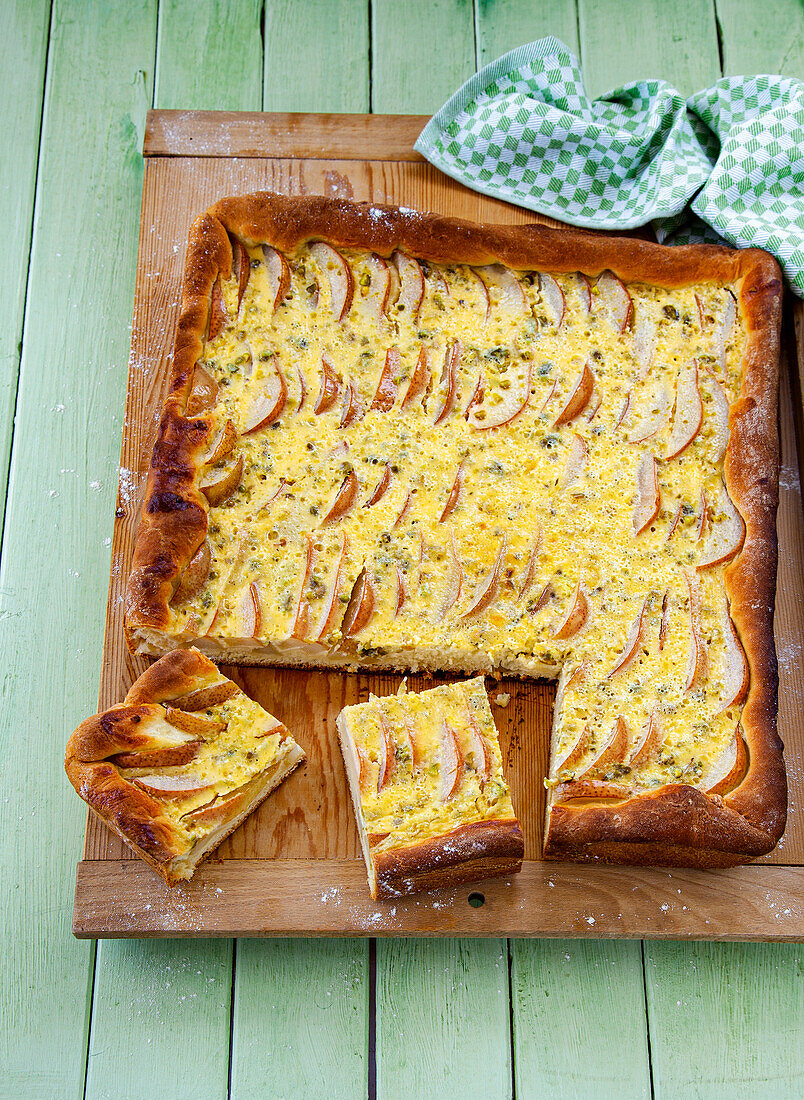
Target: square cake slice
x: 431, y: 801
x: 177, y: 766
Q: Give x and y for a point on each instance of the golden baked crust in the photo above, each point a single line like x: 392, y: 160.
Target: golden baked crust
x: 153, y: 736
x: 745, y: 820
x: 430, y: 798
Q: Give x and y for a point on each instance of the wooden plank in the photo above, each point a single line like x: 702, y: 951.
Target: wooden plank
x: 326, y: 897
x: 624, y: 40
x: 301, y: 1019
x: 316, y: 56
x: 414, y: 38
x: 762, y: 36
x: 297, y: 136
x: 23, y: 31
x: 160, y: 1022
x: 209, y: 55
x: 570, y: 1000
x: 442, y: 1019
x: 55, y: 555
x: 502, y: 25
x: 725, y: 1020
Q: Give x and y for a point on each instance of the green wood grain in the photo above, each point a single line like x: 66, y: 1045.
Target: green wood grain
x: 316, y: 55
x: 422, y: 51
x: 23, y: 32
x: 300, y: 1019
x: 574, y: 1002
x: 623, y: 40
x: 62, y: 486
x: 443, y: 1022
x: 762, y: 36
x: 160, y: 1021
x: 502, y: 25
x: 209, y: 56
x: 727, y: 1020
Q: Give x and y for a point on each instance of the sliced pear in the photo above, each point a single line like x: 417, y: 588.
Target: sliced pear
x: 720, y: 413
x: 647, y: 749
x: 648, y: 498
x: 675, y: 521
x: 614, y: 751
x: 388, y: 386
x: 479, y: 750
x: 332, y: 600
x: 504, y: 402
x: 403, y: 511
x: 203, y: 726
x: 454, y: 493
x: 454, y: 580
x: 195, y: 575
x: 381, y: 488
x: 420, y: 381
x: 219, y: 484
x: 302, y: 389
x: 505, y: 291
x: 583, y: 289
x: 632, y: 641
x: 553, y: 299
x: 278, y: 272
x: 576, y: 461
x: 487, y: 592
x: 529, y: 574
x: 387, y: 756
x: 697, y: 662
x: 207, y: 697
x: 624, y: 410
x: 483, y: 292
x: 361, y: 606
x: 736, y: 676
x: 476, y: 400
x: 339, y: 276
x: 646, y: 339
x: 221, y: 445
x: 241, y: 265
x: 176, y: 757
x: 575, y: 753
x: 578, y: 397
x: 351, y: 410
x: 250, y: 607
x: 702, y: 512
x: 344, y: 500
x: 727, y: 772
x: 301, y: 614
x: 203, y: 393
x: 411, y: 284
x: 726, y: 532
x: 576, y: 616
x: 268, y: 404
x: 173, y: 786
x: 450, y: 765
x: 664, y: 621
x: 689, y: 412
x: 617, y: 305
x: 724, y: 328
x: 372, y: 299
x: 330, y: 391
x: 545, y: 596
x: 449, y: 382
x: 652, y: 416
x: 401, y: 592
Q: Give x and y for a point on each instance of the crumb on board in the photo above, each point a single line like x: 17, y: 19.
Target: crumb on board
x: 502, y: 698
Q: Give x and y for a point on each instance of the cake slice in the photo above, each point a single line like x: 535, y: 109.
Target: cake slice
x: 431, y: 801
x: 177, y: 766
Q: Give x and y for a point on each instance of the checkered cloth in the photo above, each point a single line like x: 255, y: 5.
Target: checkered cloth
x: 726, y: 164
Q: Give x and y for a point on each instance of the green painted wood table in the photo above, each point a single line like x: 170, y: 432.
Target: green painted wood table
x: 285, y: 1018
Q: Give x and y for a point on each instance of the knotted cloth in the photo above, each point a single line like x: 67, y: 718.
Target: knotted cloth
x: 725, y: 164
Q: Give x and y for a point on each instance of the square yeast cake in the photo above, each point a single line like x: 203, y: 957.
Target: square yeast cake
x: 431, y: 801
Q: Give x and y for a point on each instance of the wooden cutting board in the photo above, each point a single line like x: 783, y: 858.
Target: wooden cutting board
x: 294, y: 867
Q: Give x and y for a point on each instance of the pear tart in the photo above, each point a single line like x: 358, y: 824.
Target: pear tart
x: 430, y: 798
x: 396, y: 440
x: 177, y: 766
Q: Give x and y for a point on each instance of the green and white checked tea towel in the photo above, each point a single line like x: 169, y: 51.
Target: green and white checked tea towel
x: 726, y: 164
